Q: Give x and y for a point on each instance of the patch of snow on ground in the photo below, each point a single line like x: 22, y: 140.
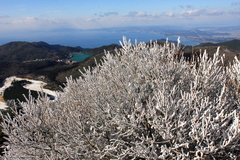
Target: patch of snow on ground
x: 35, y: 86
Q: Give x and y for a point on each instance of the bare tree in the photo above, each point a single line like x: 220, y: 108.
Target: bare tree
x: 141, y: 103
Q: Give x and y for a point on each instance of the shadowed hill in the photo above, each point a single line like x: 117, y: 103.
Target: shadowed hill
x: 101, y: 49
x: 234, y: 44
x: 25, y: 51
x: 54, y: 72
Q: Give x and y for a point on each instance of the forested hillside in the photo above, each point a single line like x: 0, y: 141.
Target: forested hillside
x: 54, y: 71
x: 25, y: 51
x: 234, y: 44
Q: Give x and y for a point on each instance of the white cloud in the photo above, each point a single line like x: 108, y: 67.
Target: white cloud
x: 170, y: 14
x: 110, y: 13
x: 31, y: 23
x: 236, y: 12
x: 30, y: 19
x: 92, y: 19
x: 132, y: 14
x: 198, y: 12
x: 195, y: 12
x: 112, y: 19
x: 105, y: 14
x: 142, y: 14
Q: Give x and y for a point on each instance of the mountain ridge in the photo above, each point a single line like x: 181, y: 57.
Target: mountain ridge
x: 19, y: 51
x: 234, y: 44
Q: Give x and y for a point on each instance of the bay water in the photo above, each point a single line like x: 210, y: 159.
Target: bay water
x: 80, y: 56
x: 89, y: 39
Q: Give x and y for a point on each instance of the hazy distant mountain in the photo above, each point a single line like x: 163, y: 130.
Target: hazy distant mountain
x: 24, y: 51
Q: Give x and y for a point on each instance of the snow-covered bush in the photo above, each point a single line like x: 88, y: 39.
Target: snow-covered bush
x: 141, y: 103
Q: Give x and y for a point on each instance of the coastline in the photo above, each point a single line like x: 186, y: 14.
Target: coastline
x: 35, y: 86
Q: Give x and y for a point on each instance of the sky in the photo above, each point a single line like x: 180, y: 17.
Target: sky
x: 46, y: 15
x: 88, y: 14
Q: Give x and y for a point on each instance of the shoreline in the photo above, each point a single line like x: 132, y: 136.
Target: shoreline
x: 35, y: 86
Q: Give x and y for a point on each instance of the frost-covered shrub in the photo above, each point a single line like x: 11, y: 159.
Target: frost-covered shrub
x: 141, y: 103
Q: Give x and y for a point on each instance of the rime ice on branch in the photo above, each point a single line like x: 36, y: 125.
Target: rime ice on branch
x: 139, y: 103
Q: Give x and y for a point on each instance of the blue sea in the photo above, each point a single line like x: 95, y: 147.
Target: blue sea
x: 88, y: 39
x: 93, y: 39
